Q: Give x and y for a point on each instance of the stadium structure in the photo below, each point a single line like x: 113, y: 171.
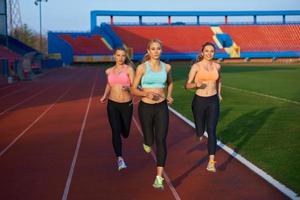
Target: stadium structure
x: 16, y: 58
x: 245, y: 40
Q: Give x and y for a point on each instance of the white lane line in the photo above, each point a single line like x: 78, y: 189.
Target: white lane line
x: 168, y: 181
x: 71, y: 172
x: 284, y: 189
x: 27, y: 99
x: 6, y: 87
x: 33, y: 123
x: 263, y: 95
x: 14, y: 92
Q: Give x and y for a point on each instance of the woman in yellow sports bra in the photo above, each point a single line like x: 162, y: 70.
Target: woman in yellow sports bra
x: 205, y: 78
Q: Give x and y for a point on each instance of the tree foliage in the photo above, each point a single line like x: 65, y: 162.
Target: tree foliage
x: 30, y: 37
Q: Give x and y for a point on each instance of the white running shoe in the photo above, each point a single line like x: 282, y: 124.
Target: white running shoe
x: 121, y: 164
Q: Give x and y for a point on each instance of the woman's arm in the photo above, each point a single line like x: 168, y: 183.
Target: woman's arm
x: 219, y: 83
x: 136, y: 81
x: 130, y: 73
x: 106, y: 93
x: 190, y: 84
x: 107, y: 88
x: 169, y: 85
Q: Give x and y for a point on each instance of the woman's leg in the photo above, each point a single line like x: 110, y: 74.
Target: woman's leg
x: 126, y: 115
x: 212, y: 120
x: 146, y: 118
x: 114, y: 118
x: 161, y: 124
x: 198, y: 108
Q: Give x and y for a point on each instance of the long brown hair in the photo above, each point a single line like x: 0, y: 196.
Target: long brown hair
x: 200, y: 56
x: 127, y: 59
x: 155, y: 40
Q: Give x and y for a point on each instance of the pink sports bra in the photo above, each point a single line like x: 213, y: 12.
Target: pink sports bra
x: 120, y: 78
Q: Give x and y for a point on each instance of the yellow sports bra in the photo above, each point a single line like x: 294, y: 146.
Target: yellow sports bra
x: 204, y: 75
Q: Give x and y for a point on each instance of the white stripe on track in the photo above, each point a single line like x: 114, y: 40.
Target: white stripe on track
x: 284, y: 189
x: 5, y: 87
x: 263, y: 95
x: 168, y: 181
x: 33, y: 123
x: 71, y: 172
x: 14, y: 92
x: 27, y: 99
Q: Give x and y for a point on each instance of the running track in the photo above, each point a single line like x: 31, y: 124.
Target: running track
x: 55, y: 143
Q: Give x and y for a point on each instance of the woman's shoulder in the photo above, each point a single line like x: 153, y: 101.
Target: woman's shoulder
x: 168, y: 67
x: 141, y: 67
x: 108, y: 70
x: 129, y: 68
x: 217, y: 65
x: 196, y: 65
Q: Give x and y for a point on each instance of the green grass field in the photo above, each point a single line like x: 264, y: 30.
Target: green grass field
x: 264, y: 129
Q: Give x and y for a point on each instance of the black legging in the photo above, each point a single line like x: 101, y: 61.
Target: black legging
x: 154, y: 119
x: 119, y: 116
x: 206, y: 115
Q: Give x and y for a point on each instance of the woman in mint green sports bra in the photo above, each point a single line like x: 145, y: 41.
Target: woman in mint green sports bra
x: 154, y: 77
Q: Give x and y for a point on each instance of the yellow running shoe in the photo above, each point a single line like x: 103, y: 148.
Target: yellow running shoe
x: 147, y: 148
x: 158, y: 183
x: 211, y: 166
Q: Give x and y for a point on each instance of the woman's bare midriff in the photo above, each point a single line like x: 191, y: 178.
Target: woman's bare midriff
x: 159, y: 91
x: 119, y: 94
x: 209, y: 90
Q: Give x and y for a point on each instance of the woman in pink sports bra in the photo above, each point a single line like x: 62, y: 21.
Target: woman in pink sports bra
x: 205, y: 78
x: 119, y: 104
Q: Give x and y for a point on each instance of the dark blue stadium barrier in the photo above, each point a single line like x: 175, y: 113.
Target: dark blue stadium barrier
x: 181, y: 56
x: 19, y: 47
x: 4, y: 67
x: 267, y: 54
x: 51, y: 63
x: 58, y: 45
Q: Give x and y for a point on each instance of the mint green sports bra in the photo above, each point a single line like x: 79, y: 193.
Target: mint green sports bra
x: 153, y: 79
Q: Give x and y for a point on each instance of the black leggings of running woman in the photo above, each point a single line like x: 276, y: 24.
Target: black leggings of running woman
x: 119, y: 116
x: 154, y: 119
x: 206, y: 115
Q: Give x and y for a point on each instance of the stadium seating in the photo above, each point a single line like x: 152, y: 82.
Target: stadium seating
x: 265, y: 37
x: 175, y: 39
x: 86, y: 45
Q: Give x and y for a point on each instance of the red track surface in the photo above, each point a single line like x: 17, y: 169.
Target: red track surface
x: 40, y: 138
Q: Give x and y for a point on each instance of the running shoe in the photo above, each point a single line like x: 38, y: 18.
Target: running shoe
x: 158, y: 183
x: 121, y: 164
x: 147, y: 148
x: 211, y: 166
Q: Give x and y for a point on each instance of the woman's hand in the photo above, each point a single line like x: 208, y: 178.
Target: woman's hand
x: 103, y: 99
x: 170, y: 100
x: 126, y: 88
x: 220, y: 97
x: 153, y: 96
x: 201, y: 85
